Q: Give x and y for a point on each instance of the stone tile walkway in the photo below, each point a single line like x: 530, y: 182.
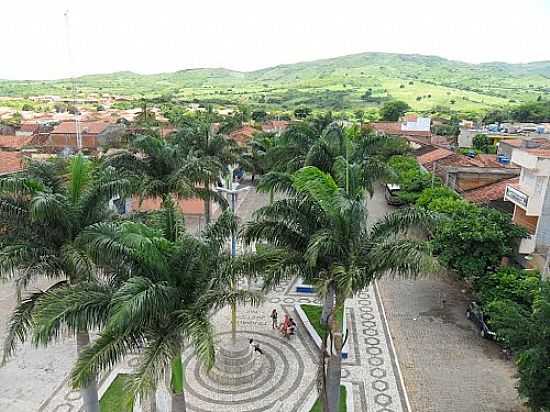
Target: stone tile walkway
x: 288, y: 382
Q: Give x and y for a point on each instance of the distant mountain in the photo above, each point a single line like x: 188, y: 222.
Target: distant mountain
x: 342, y: 83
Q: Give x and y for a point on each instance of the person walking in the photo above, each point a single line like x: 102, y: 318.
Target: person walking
x: 274, y: 319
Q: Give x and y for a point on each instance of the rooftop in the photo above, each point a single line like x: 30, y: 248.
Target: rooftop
x: 14, y: 142
x: 10, y: 162
x: 85, y: 127
x: 490, y: 193
x: 243, y: 134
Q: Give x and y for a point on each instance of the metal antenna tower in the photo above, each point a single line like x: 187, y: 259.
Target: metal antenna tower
x: 73, y: 76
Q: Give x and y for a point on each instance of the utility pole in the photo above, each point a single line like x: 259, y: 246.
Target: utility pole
x: 233, y: 190
x: 73, y: 76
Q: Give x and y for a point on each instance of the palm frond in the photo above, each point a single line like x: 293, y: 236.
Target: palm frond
x: 198, y: 329
x: 403, y: 220
x: 277, y: 181
x: 84, y: 306
x: 103, y: 354
x: 21, y: 320
x: 217, y: 233
x: 79, y: 175
x: 404, y: 258
x: 159, y: 349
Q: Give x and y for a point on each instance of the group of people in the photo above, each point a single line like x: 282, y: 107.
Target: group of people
x: 287, y: 327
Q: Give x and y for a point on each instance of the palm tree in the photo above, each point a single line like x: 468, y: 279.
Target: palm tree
x: 155, y: 296
x: 42, y: 214
x: 329, y: 146
x: 167, y: 168
x: 321, y: 233
x: 213, y: 153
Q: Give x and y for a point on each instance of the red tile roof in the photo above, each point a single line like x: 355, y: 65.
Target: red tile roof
x: 445, y: 157
x: 387, y: 127
x: 275, y: 125
x: 10, y: 162
x: 29, y: 127
x: 85, y: 127
x: 15, y: 142
x: 243, y: 135
x: 434, y: 156
x: 394, y: 128
x: 492, y: 192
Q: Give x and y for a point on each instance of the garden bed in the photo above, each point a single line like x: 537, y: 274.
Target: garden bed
x: 310, y: 315
x: 115, y: 398
x: 345, y: 401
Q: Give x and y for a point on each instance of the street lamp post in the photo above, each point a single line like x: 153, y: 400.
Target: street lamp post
x: 233, y: 191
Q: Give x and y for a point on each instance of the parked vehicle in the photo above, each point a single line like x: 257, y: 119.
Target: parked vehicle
x: 476, y: 315
x: 391, y: 193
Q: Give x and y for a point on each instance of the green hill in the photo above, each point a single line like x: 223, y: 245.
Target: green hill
x: 342, y: 83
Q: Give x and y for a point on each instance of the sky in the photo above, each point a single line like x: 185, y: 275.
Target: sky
x: 162, y: 35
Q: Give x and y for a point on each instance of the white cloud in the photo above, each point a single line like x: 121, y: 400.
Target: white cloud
x: 163, y: 35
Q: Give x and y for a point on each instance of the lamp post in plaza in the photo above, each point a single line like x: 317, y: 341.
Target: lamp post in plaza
x: 232, y: 192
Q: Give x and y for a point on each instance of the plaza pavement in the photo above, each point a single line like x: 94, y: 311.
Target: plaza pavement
x: 35, y: 380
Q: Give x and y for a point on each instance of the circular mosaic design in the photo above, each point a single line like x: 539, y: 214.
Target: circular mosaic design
x: 282, y: 374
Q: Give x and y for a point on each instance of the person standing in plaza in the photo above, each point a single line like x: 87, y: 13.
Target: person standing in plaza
x: 274, y: 318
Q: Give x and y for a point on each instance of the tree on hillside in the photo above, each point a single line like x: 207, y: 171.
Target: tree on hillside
x: 43, y: 213
x: 259, y: 115
x: 302, y: 112
x: 392, y: 111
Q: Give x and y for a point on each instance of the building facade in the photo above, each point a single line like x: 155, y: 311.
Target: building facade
x: 531, y: 199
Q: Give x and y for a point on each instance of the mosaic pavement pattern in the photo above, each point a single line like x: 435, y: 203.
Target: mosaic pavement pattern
x: 287, y: 381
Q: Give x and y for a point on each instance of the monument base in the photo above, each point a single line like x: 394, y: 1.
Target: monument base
x: 236, y: 363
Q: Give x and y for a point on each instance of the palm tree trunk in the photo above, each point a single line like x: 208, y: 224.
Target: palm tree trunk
x: 88, y: 393
x: 178, y: 402
x: 334, y: 367
x: 271, y: 196
x: 177, y: 393
x: 328, y: 304
x: 321, y: 374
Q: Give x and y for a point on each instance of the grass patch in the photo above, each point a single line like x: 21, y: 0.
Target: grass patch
x: 116, y: 399
x: 313, y: 313
x: 317, y: 407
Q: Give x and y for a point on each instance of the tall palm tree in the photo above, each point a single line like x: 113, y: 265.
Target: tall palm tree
x: 42, y: 213
x: 166, y: 168
x: 321, y: 233
x: 213, y: 153
x: 155, y: 296
x: 329, y: 146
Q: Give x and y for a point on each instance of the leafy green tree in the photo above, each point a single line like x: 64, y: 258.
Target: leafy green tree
x: 410, y: 177
x: 481, y: 142
x: 302, y: 112
x: 320, y: 233
x: 472, y: 239
x: 537, y: 112
x: 43, y: 213
x: 509, y: 283
x: 393, y: 110
x: 259, y: 115
x: 528, y: 334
